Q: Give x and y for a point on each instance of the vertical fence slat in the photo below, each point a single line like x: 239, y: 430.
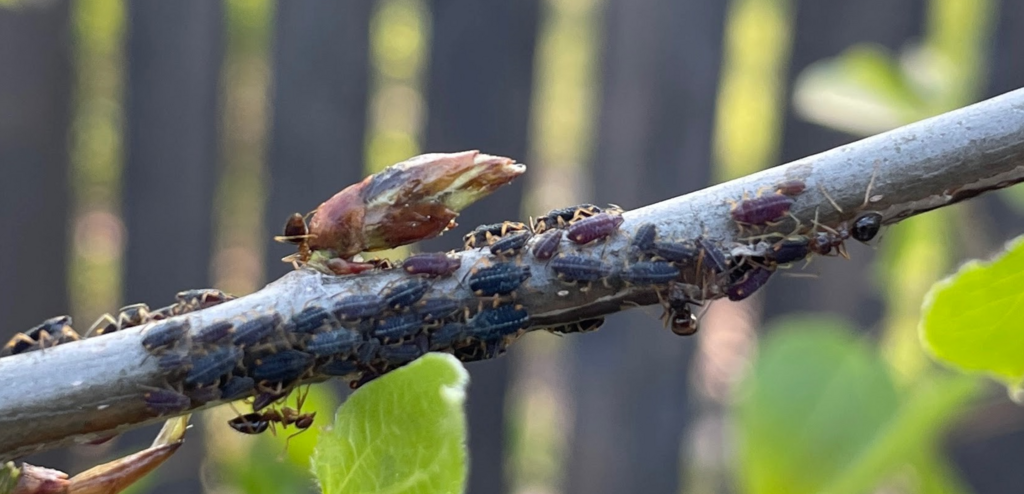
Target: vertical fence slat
x: 660, y: 78
x: 321, y: 53
x: 478, y: 95
x: 825, y: 29
x: 35, y: 102
x: 174, y: 52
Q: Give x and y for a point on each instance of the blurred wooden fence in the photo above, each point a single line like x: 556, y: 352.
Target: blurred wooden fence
x: 659, y: 77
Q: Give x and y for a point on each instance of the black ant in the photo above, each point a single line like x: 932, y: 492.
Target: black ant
x: 259, y: 422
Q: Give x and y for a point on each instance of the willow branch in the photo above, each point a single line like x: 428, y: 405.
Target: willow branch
x: 86, y: 390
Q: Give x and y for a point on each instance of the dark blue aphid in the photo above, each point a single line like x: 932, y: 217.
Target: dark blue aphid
x: 397, y: 328
x: 237, y: 387
x: 338, y: 368
x: 499, y: 321
x: 209, y: 368
x: 712, y: 256
x: 282, y: 367
x: 335, y: 342
x: 684, y: 252
x: 165, y: 402
x: 748, y: 283
x: 164, y: 335
x: 437, y: 308
x: 367, y: 351
x: 355, y: 307
x: 499, y: 279
x: 547, y: 244
x: 203, y: 395
x: 403, y: 293
x: 395, y: 355
x: 215, y: 332
x: 650, y: 273
x: 510, y: 244
x: 448, y: 335
x: 313, y: 319
x: 790, y: 249
x: 578, y: 268
x: 174, y: 364
x: 644, y: 237
x: 256, y: 330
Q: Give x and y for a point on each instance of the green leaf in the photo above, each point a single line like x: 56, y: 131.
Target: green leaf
x: 974, y: 320
x: 402, y: 433
x: 810, y: 406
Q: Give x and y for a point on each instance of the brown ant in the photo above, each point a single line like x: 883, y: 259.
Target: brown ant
x: 296, y: 232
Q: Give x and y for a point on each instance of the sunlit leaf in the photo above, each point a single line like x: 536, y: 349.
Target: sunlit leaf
x: 404, y: 432
x: 813, y: 401
x: 974, y: 320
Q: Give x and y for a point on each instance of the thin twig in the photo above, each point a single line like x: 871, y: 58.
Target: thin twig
x: 86, y: 390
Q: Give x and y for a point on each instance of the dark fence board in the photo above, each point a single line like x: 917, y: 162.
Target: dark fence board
x: 478, y: 97
x: 631, y: 383
x: 321, y: 53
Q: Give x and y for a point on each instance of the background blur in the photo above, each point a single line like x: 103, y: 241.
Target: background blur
x: 149, y: 147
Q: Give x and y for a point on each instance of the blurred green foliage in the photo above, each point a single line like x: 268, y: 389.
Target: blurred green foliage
x: 404, y: 432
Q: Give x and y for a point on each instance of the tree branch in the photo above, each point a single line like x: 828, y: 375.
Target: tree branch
x: 86, y: 390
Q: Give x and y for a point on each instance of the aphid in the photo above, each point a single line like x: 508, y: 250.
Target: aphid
x: 237, y: 387
x: 335, y: 342
x: 396, y: 355
x: 431, y: 264
x: 511, y: 244
x: 748, y: 283
x: 684, y: 252
x: 402, y: 293
x: 356, y: 307
x: 174, y: 365
x: 645, y: 236
x: 712, y: 256
x: 367, y: 350
x: 499, y: 321
x: 256, y: 330
x: 312, y: 319
x: 203, y: 395
x: 436, y: 308
x: 164, y: 335
x: 263, y: 399
x: 791, y: 188
x: 485, y: 235
x: 789, y: 249
x: 398, y: 328
x: 338, y: 368
x: 649, y: 273
x: 561, y: 217
x: 200, y: 298
x: 209, y: 368
x: 281, y: 367
x: 446, y: 336
x: 596, y: 227
x: 214, y: 333
x: 50, y: 332
x: 547, y: 244
x: 866, y: 226
x: 161, y: 402
x: 129, y: 316
x: 498, y: 279
x: 584, y: 326
x: 762, y: 210
x: 572, y: 268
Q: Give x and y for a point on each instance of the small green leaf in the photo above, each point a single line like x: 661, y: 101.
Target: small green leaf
x: 402, y: 433
x: 974, y: 320
x: 812, y: 403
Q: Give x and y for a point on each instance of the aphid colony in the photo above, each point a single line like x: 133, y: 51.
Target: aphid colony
x: 362, y: 336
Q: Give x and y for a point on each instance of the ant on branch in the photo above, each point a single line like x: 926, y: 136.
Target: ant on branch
x: 259, y: 422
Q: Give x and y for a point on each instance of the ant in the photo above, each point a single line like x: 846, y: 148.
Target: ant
x: 865, y: 226
x: 258, y: 422
x: 296, y: 232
